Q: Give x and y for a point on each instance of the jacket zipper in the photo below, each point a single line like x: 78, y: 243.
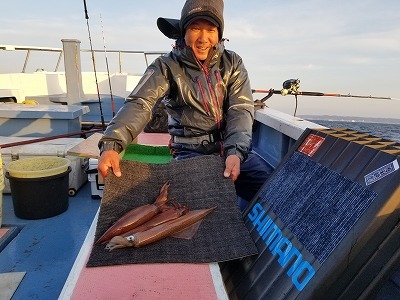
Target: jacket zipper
x: 219, y: 89
x: 214, y: 100
x: 203, y: 96
x: 214, y: 96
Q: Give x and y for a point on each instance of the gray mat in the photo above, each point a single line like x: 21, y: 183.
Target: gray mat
x: 197, y: 182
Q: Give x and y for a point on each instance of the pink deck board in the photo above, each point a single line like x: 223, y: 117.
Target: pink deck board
x: 146, y: 281
x: 150, y: 281
x: 3, y: 231
x: 153, y: 138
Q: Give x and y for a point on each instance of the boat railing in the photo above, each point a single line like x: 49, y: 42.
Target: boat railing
x: 29, y: 50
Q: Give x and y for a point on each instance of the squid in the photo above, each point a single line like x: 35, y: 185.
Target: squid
x: 165, y: 216
x: 137, y: 216
x: 158, y: 232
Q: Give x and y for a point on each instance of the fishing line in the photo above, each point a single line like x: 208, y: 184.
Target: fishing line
x: 94, y: 66
x: 108, y: 70
x: 295, y: 108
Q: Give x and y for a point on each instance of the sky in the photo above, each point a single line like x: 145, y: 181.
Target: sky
x: 336, y: 46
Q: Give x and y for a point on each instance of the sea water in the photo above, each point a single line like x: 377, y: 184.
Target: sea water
x: 388, y: 131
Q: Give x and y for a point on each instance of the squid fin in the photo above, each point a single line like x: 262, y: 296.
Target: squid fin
x: 188, y: 232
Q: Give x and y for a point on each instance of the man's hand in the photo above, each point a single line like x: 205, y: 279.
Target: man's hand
x: 109, y: 159
x: 232, y: 167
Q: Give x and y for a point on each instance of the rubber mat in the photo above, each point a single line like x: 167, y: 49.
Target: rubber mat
x: 150, y: 154
x: 315, y: 212
x: 196, y: 182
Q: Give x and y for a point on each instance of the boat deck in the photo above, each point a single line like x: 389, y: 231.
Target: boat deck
x: 53, y: 252
x: 46, y: 249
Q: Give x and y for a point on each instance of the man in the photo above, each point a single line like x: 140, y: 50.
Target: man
x: 207, y: 96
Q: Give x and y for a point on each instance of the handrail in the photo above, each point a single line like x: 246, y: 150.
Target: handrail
x: 145, y: 53
x: 29, y: 49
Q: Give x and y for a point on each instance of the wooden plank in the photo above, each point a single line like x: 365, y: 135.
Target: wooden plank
x: 88, y: 147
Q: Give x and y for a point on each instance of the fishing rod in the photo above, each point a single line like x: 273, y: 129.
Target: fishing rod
x: 291, y: 87
x: 108, y: 70
x: 94, y: 66
x: 48, y: 138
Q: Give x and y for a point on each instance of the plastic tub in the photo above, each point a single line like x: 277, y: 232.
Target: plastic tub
x: 37, y: 167
x: 39, y: 198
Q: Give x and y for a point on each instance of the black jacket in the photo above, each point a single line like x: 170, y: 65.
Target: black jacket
x: 200, y: 99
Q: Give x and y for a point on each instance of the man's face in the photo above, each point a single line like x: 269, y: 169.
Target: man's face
x: 201, y: 35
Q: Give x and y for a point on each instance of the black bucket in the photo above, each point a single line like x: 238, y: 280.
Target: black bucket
x: 40, y: 198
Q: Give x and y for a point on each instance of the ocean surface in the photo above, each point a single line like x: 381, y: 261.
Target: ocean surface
x: 385, y: 130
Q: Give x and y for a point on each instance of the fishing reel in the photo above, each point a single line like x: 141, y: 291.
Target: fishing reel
x: 290, y: 86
